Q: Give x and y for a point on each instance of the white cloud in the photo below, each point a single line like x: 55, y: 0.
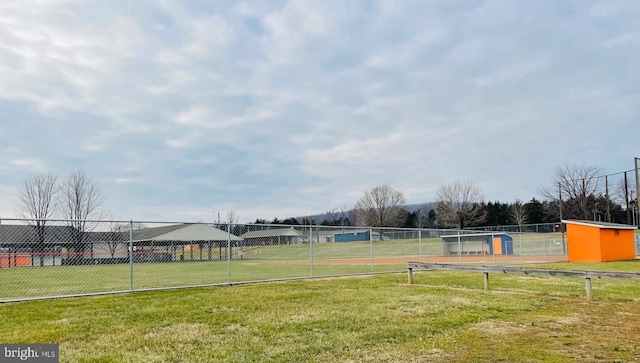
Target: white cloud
x: 197, y: 116
x: 25, y: 165
x: 245, y: 9
x: 209, y: 34
x: 408, y: 54
x: 124, y: 180
x: 294, y: 29
x: 513, y: 71
x: 606, y: 9
x: 175, y: 143
x: 353, y: 152
x: 623, y: 40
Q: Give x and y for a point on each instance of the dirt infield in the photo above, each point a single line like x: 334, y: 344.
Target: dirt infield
x: 435, y: 259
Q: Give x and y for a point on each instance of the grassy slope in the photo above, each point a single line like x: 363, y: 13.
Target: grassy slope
x: 444, y: 317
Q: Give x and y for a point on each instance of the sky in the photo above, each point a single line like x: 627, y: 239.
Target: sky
x: 180, y: 110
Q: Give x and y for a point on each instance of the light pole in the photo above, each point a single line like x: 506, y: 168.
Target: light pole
x: 632, y: 207
x: 635, y: 159
x: 214, y: 216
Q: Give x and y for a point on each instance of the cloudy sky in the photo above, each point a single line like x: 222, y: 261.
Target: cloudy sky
x: 183, y: 109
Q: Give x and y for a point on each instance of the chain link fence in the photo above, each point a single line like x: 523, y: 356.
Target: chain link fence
x: 525, y: 228
x: 55, y: 258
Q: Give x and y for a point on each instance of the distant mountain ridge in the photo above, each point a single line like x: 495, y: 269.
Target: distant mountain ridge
x: 330, y: 216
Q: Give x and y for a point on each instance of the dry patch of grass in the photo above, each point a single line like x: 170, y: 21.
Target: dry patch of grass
x: 499, y: 327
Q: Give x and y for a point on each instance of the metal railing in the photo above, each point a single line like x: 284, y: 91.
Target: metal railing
x: 55, y: 258
x: 587, y: 275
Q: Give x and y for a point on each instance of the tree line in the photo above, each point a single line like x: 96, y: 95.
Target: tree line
x: 576, y: 192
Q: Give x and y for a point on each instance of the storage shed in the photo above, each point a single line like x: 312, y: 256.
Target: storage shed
x: 590, y: 241
x: 497, y: 243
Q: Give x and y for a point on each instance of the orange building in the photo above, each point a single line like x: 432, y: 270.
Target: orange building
x: 589, y: 241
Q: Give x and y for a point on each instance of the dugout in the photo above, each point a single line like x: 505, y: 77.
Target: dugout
x: 590, y: 241
x: 497, y: 243
x: 356, y: 236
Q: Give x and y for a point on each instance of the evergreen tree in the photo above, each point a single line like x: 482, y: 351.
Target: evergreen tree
x: 433, y: 222
x: 498, y: 214
x: 535, y: 211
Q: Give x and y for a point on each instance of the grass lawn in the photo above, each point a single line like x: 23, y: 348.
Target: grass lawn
x: 258, y: 263
x: 28, y: 282
x: 444, y: 317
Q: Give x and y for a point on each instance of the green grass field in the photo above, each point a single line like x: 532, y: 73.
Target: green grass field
x: 69, y: 280
x: 258, y: 263
x: 445, y: 316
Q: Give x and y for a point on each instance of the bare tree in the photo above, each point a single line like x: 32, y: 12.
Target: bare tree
x: 332, y: 217
x: 576, y: 183
x: 232, y: 217
x: 460, y: 205
x: 80, y: 200
x: 117, y: 235
x: 624, y: 193
x: 37, y: 198
x: 381, y: 207
x: 519, y: 213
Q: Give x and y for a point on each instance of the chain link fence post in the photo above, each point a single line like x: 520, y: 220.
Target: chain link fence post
x: 311, y: 248
x: 229, y: 254
x: 371, y: 245
x: 459, y: 247
x: 420, y: 242
x: 131, y: 255
x: 521, y: 250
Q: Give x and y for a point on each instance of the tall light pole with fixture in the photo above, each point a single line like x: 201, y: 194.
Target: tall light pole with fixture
x: 637, y: 190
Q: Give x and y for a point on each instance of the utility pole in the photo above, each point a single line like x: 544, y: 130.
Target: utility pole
x: 584, y: 199
x: 606, y: 194
x: 564, y: 243
x: 626, y: 198
x: 637, y: 189
x: 560, y: 199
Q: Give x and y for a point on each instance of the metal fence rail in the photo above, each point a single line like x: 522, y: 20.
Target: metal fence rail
x: 54, y: 258
x: 587, y: 275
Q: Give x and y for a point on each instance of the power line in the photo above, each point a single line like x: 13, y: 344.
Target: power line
x: 601, y: 176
